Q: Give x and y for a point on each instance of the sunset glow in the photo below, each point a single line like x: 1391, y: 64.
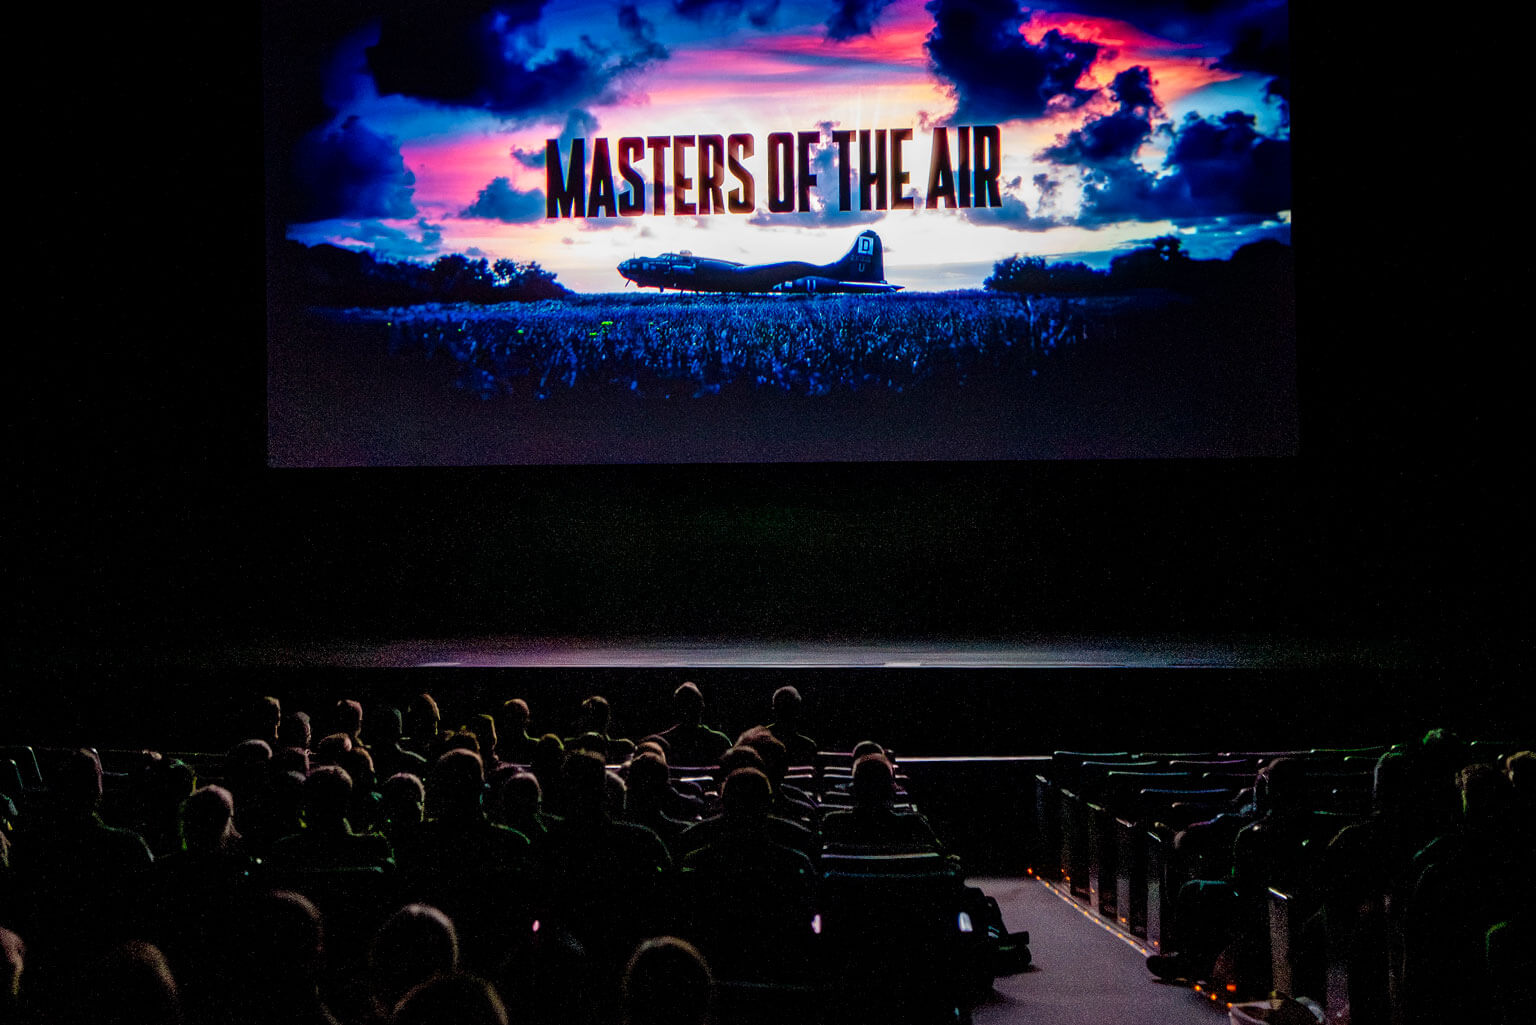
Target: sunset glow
x: 426, y: 152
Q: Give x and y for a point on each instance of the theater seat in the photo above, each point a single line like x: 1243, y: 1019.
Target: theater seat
x: 897, y: 945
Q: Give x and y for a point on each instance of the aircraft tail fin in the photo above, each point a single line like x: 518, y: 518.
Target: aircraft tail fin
x: 864, y: 262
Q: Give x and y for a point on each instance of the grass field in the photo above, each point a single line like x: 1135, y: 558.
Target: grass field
x: 679, y: 346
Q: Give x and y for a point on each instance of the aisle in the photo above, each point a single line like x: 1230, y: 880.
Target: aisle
x: 1083, y: 974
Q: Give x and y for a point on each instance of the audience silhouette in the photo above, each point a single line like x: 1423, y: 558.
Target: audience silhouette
x: 787, y: 710
x: 413, y: 945
x: 515, y: 743
x: 327, y: 839
x: 667, y: 982
x: 690, y: 742
x: 484, y: 903
x: 458, y: 997
x: 873, y: 821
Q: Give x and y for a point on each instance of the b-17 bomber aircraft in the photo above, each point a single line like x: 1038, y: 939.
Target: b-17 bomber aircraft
x: 860, y: 271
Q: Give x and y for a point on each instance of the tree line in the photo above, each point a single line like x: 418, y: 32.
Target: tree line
x: 329, y: 275
x: 1163, y: 264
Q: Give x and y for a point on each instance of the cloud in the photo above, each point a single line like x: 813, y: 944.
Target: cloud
x: 1115, y: 137
x: 1263, y: 44
x: 641, y: 34
x: 759, y: 12
x: 994, y: 73
x: 1049, y: 188
x: 1176, y: 20
x: 1214, y: 168
x: 853, y: 18
x: 431, y: 234
x: 608, y: 223
x: 1015, y: 214
x: 1219, y: 237
x: 1229, y: 168
x: 1101, y: 140
x: 395, y: 244
x: 822, y: 218
x: 1132, y: 90
x: 465, y: 54
x: 579, y: 124
x: 1257, y: 32
x: 349, y: 171
x: 499, y: 201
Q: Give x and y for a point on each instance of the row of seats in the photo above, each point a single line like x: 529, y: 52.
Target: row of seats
x: 1107, y: 819
x: 1111, y: 829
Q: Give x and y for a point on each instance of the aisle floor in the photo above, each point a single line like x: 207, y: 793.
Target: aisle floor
x: 1083, y: 973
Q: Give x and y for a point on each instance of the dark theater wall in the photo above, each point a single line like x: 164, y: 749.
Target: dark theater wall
x: 159, y: 528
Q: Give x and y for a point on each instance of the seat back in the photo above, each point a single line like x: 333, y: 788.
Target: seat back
x: 896, y: 940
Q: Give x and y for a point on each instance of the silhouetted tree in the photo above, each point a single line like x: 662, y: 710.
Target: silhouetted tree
x: 329, y: 275
x: 1018, y: 274
x: 1163, y: 264
x: 1169, y: 249
x: 1031, y: 274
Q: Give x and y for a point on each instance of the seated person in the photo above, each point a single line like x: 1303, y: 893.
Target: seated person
x: 459, y: 997
x: 199, y: 889
x: 743, y: 842
x: 686, y: 802
x: 592, y: 724
x: 786, y: 726
x: 157, y: 789
x: 475, y: 871
x: 68, y: 837
x: 689, y: 742
x: 667, y: 983
x: 248, y: 775
x: 789, y: 802
x: 516, y: 745
x: 295, y: 730
x: 422, y: 721
x: 414, y: 944
x: 129, y: 984
x: 751, y: 899
x: 458, y: 837
x: 873, y: 821
x: 73, y: 878
x: 599, y: 879
x: 13, y: 955
x: 1230, y: 915
x: 482, y: 727
x: 402, y: 808
x: 276, y: 978
x: 548, y: 767
x: 385, y: 730
x: 327, y: 840
x: 1469, y: 880
x: 259, y: 720
x: 208, y: 836
x: 517, y: 801
x: 784, y: 831
x: 651, y: 797
x: 347, y: 718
